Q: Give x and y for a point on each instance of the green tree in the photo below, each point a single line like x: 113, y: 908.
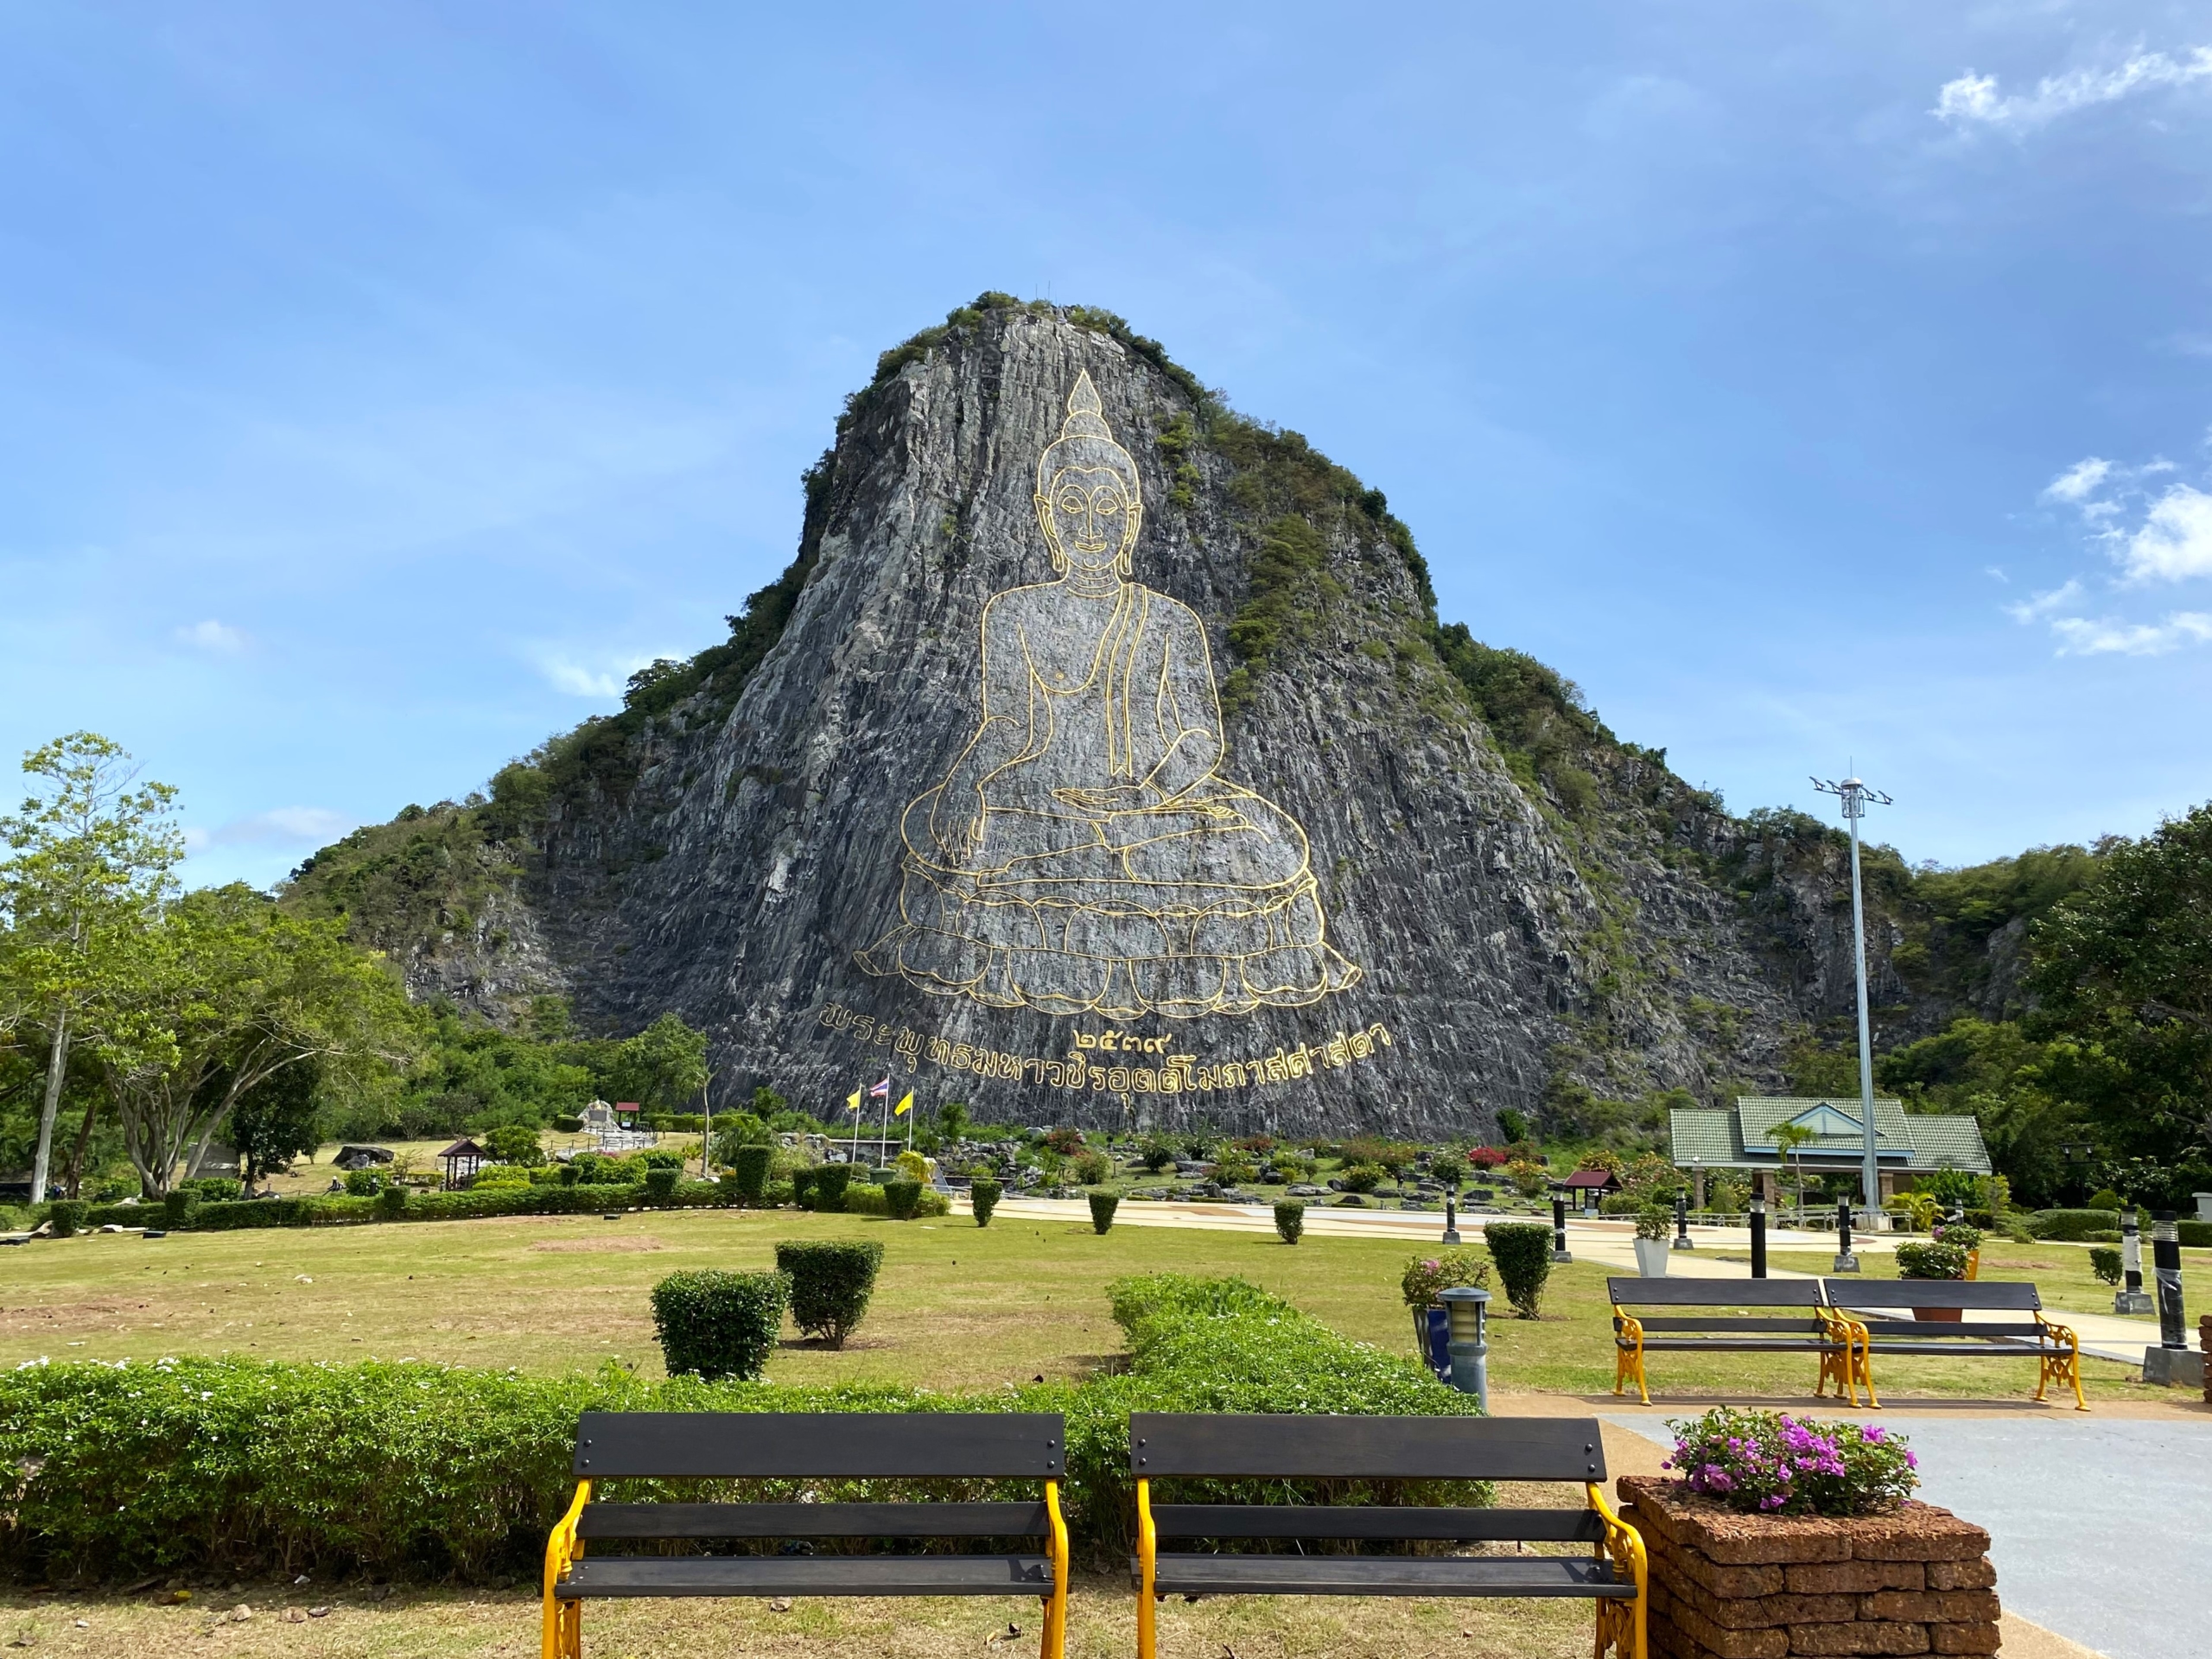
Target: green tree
x: 662, y: 1066
x: 231, y: 993
x: 277, y: 1120
x: 2123, y: 977
x: 88, y: 865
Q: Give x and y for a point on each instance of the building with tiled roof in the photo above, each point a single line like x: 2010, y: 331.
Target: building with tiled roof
x: 1739, y: 1137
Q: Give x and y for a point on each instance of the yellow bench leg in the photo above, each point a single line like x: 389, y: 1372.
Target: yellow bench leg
x: 1148, y: 1549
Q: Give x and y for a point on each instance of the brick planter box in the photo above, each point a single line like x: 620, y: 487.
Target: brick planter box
x: 1726, y: 1586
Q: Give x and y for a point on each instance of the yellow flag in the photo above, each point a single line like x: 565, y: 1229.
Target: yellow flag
x: 853, y: 1100
x: 903, y: 1106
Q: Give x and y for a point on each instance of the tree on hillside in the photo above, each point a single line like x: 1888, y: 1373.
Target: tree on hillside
x: 233, y: 992
x: 663, y: 1067
x: 2123, y: 975
x: 88, y: 864
x: 277, y: 1120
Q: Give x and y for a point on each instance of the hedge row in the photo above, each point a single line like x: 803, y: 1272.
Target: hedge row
x: 2078, y: 1226
x: 237, y: 1466
x: 340, y: 1209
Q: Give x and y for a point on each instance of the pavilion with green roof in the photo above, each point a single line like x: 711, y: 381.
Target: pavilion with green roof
x: 1740, y: 1138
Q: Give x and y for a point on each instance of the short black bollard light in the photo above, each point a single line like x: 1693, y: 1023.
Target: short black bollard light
x: 1682, y: 1239
x: 1759, y: 1238
x: 2173, y: 1361
x: 1558, y: 1230
x: 1450, y: 1216
x: 2131, y: 1297
x: 1467, y: 1310
x: 1845, y: 1260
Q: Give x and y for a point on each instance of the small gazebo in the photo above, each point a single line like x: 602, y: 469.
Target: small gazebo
x: 1585, y: 1187
x: 461, y: 1161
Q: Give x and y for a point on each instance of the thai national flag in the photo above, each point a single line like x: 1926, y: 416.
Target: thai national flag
x: 882, y: 1091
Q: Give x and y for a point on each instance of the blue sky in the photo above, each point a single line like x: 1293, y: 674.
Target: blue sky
x: 380, y: 383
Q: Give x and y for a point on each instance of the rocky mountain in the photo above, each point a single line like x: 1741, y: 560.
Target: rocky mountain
x: 1100, y: 759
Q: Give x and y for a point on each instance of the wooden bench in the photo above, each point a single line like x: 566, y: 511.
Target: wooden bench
x: 1811, y: 1325
x: 1284, y: 1448
x: 1859, y: 1304
x: 1026, y: 1448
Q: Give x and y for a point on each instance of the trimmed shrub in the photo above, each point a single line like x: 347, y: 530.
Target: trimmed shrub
x: 831, y: 1182
x: 863, y: 1198
x: 2071, y: 1226
x: 569, y: 1174
x: 984, y: 1195
x: 831, y: 1282
x: 1522, y: 1251
x: 900, y: 1198
x: 1364, y: 1178
x: 365, y: 1183
x: 660, y: 1185
x: 2198, y: 1234
x: 803, y: 1185
x: 1425, y: 1275
x: 1102, y: 1205
x: 67, y: 1216
x: 391, y: 1204
x: 566, y: 1123
x: 179, y: 1207
x: 2105, y: 1262
x: 213, y: 1189
x: 716, y: 1325
x: 750, y: 1171
x: 1290, y: 1220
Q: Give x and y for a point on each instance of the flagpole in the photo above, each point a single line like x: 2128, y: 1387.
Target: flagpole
x: 854, y: 1156
x: 883, y: 1144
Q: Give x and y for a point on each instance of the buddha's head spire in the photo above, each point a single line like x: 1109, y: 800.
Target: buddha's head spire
x: 1088, y: 495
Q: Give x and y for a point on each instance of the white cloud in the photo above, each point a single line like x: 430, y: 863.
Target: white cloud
x: 609, y: 678
x: 1974, y: 99
x: 212, y: 635
x: 282, y: 826
x: 2078, y: 482
x: 2080, y: 637
x: 2175, y: 540
x: 2042, y: 605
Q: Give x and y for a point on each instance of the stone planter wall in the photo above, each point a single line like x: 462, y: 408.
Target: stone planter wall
x: 1724, y: 1585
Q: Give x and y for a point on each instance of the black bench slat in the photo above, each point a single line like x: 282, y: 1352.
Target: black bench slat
x: 725, y: 1445
x: 813, y: 1520
x: 1997, y: 1295
x: 1714, y: 1293
x: 1386, y: 1575
x: 1965, y: 1350
x: 806, y: 1575
x: 1288, y: 1447
x: 1930, y: 1328
x: 1724, y: 1345
x: 1731, y: 1325
x: 1345, y: 1521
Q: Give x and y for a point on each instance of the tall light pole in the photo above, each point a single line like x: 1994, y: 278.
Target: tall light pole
x: 1855, y: 796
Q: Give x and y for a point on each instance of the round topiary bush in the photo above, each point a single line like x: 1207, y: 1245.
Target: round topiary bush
x: 717, y: 1325
x: 660, y: 1185
x: 831, y: 1282
x: 392, y: 1203
x: 1102, y: 1205
x: 900, y: 1199
x: 749, y: 1165
x: 67, y: 1214
x: 1290, y: 1220
x: 1522, y: 1251
x: 984, y: 1195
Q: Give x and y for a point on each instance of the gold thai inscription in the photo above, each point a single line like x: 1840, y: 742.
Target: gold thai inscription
x: 1112, y: 1061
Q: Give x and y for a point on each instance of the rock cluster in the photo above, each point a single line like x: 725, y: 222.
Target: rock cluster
x: 1727, y: 1586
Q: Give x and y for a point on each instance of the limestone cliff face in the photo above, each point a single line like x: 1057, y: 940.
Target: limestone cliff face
x: 1526, y: 932
x: 740, y: 872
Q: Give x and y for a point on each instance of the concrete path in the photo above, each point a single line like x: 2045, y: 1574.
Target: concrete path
x: 1609, y: 1243
x: 2097, y: 1521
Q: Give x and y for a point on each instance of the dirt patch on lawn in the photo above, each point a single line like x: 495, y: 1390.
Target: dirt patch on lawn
x: 598, y: 1246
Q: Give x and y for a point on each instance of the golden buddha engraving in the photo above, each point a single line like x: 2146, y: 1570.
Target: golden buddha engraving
x: 1084, y: 854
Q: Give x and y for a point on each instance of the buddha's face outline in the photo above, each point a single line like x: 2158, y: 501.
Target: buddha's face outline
x: 1089, y: 520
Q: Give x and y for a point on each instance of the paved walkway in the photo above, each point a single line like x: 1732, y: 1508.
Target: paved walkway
x: 2095, y: 1521
x: 1607, y: 1243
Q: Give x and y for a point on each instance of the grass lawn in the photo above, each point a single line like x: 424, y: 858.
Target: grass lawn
x: 1101, y: 1625
x: 957, y: 1306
